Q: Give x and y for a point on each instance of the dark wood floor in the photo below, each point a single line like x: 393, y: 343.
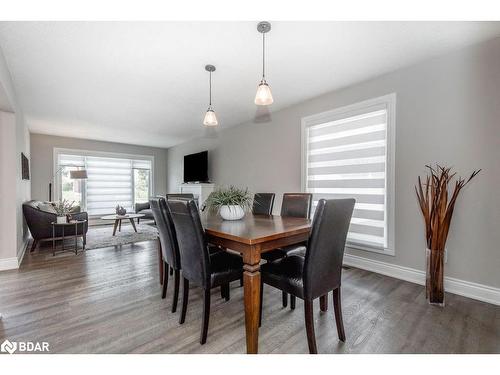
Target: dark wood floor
x: 108, y: 301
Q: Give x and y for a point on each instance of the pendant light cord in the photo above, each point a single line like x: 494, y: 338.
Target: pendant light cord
x: 210, y: 90
x: 263, y: 56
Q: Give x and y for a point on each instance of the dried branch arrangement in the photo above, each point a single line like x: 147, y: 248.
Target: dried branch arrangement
x: 437, y: 210
x: 64, y: 207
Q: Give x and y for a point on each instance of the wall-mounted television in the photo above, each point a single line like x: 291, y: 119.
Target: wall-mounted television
x: 196, y: 167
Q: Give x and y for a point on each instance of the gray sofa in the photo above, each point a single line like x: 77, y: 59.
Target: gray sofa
x: 145, y: 209
x: 39, y: 216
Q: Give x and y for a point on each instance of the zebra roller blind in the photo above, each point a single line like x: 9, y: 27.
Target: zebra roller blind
x: 110, y: 180
x: 346, y: 155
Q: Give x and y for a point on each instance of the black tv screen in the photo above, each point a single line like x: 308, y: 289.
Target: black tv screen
x: 196, y: 167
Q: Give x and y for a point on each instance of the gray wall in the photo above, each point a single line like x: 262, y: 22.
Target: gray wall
x: 448, y: 111
x: 17, y: 142
x: 42, y: 154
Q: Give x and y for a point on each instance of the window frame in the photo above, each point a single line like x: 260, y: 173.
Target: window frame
x: 389, y: 102
x: 105, y: 154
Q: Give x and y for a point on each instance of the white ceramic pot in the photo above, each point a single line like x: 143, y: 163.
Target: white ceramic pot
x: 232, y: 212
x: 62, y: 220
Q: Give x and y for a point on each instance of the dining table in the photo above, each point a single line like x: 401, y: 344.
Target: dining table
x: 252, y: 236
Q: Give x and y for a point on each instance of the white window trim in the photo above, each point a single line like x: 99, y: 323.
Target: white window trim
x: 58, y: 150
x: 351, y: 110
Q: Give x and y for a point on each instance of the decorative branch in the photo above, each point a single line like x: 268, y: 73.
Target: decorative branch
x: 436, y: 209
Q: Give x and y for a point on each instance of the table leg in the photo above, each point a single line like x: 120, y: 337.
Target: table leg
x: 251, y: 284
x: 76, y: 238
x: 120, y: 226
x: 115, y: 226
x: 133, y: 224
x: 53, y: 241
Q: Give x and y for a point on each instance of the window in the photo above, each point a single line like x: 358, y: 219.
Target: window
x: 349, y: 153
x: 71, y: 190
x: 112, y: 179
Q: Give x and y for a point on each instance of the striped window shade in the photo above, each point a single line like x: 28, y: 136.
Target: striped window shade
x: 71, y: 160
x: 346, y: 156
x: 110, y: 181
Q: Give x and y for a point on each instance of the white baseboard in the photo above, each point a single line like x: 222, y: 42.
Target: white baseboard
x: 22, y: 251
x: 8, y: 264
x: 456, y: 286
x: 14, y: 262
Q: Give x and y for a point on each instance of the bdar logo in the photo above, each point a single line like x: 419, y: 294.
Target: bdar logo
x: 8, y: 347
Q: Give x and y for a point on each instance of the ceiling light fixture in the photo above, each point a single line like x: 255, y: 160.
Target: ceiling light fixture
x: 263, y: 96
x: 210, y: 118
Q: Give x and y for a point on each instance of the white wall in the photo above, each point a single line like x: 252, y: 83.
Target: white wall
x: 42, y: 152
x: 16, y: 139
x: 448, y: 111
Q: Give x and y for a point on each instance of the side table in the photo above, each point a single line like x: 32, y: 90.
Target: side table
x: 77, y: 224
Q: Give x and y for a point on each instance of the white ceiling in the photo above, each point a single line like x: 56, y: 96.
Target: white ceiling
x: 144, y: 82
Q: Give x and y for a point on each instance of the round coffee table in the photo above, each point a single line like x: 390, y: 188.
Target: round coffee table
x: 118, y: 220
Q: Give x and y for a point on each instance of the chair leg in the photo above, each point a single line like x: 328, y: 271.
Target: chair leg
x: 161, y: 266
x: 311, y: 337
x: 33, y: 245
x: 224, y: 291
x: 337, y: 308
x: 165, y: 281
x: 292, y: 302
x: 185, y: 296
x: 284, y: 297
x: 261, y: 300
x: 176, y: 289
x: 138, y: 220
x: 241, y: 281
x: 206, y: 316
x: 171, y: 271
x: 323, y: 302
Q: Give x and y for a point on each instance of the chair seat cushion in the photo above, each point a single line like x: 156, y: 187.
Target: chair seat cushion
x: 297, y: 250
x: 224, y: 268
x: 285, y: 274
x: 147, y: 212
x: 282, y: 252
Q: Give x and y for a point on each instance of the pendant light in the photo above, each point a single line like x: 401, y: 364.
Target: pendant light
x: 210, y: 118
x: 263, y: 96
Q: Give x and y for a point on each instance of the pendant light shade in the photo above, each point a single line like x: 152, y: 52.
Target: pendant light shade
x: 210, y: 117
x: 263, y: 95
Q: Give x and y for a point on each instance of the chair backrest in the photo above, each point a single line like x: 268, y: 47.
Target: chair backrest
x: 166, y: 231
x: 325, y: 250
x: 191, y: 239
x: 180, y: 195
x: 296, y: 205
x: 263, y: 203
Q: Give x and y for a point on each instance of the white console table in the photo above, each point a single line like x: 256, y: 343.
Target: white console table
x: 200, y: 191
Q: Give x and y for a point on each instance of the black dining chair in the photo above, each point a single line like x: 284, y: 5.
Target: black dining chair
x: 263, y: 203
x: 180, y: 195
x: 169, y: 247
x: 319, y: 271
x: 293, y: 205
x: 200, y: 266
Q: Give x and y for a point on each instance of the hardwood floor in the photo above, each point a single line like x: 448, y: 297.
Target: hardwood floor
x: 108, y: 301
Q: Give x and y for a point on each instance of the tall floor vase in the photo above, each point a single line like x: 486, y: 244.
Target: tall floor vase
x: 434, y: 281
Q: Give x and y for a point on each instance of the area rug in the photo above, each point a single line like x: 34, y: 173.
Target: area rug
x: 102, y: 236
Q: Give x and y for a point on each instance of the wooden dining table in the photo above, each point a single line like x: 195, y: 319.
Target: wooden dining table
x: 252, y: 236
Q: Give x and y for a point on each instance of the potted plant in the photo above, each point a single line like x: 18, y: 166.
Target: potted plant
x: 63, y: 208
x: 231, y: 202
x: 437, y: 210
